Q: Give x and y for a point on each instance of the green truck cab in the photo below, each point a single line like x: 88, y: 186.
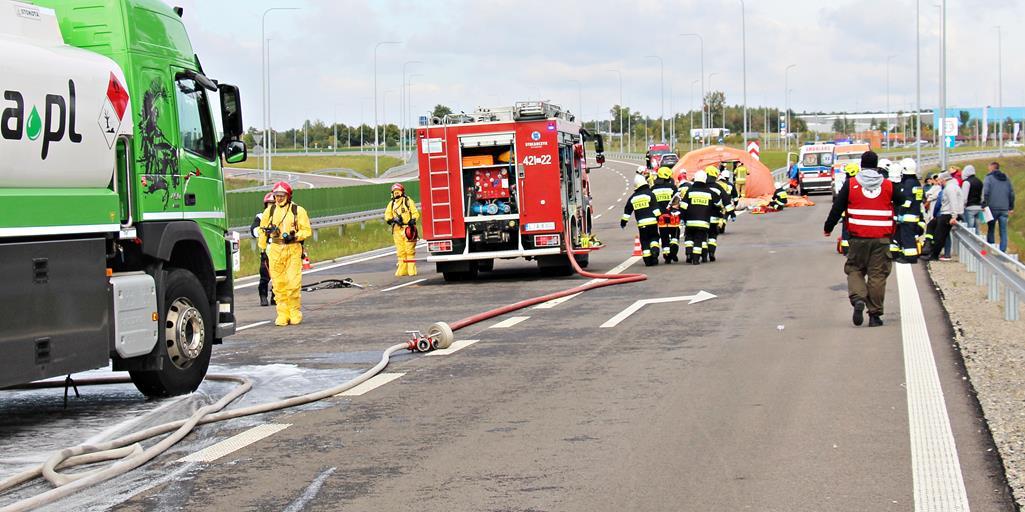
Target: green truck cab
x: 115, y: 242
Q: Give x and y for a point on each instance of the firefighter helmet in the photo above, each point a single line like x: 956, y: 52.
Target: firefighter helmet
x: 712, y: 171
x: 269, y: 198
x: 700, y: 176
x: 851, y: 169
x: 665, y: 172
x: 640, y: 181
x: 398, y: 186
x: 282, y: 187
x: 910, y: 166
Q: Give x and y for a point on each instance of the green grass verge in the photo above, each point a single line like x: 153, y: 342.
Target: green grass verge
x: 237, y: 183
x: 1014, y: 168
x: 361, y: 163
x: 332, y: 243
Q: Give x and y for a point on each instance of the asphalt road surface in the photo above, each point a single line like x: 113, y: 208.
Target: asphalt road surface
x: 762, y: 398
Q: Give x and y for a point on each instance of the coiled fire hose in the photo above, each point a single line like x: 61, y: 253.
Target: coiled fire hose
x: 129, y: 454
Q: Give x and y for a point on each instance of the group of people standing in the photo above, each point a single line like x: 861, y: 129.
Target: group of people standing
x: 885, y: 221
x: 696, y: 209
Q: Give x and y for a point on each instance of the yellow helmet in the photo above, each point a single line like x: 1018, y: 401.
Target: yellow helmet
x: 851, y: 168
x: 665, y: 172
x: 712, y: 171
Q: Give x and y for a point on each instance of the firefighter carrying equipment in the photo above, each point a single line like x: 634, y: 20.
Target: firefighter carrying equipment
x: 697, y: 202
x: 285, y: 226
x: 644, y: 207
x: 664, y: 190
x: 401, y: 214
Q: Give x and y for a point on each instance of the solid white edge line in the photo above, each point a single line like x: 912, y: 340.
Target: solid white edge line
x: 456, y: 346
x: 371, y: 384
x: 250, y: 326
x: 935, y: 466
x: 403, y: 285
x: 509, y: 322
x: 235, y: 443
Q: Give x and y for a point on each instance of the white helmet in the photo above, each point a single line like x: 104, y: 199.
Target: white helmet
x: 640, y: 181
x: 778, y: 184
x: 726, y: 175
x: 885, y: 164
x: 895, y: 169
x: 910, y: 166
x: 641, y: 169
x: 700, y: 177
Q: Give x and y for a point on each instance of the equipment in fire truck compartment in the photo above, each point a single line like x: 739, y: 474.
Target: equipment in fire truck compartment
x: 490, y: 180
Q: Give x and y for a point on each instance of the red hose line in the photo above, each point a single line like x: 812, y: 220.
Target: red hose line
x: 611, y: 280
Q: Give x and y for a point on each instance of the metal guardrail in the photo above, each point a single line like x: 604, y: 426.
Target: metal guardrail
x: 993, y: 268
x: 326, y: 222
x: 930, y: 160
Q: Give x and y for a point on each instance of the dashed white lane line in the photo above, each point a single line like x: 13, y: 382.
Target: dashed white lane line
x: 456, y: 346
x: 611, y: 207
x: 616, y: 270
x: 235, y: 443
x: 935, y: 467
x: 250, y: 326
x: 403, y: 285
x: 596, y: 217
x: 371, y: 384
x: 509, y: 322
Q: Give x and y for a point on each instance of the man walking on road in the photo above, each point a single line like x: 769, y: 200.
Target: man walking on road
x: 951, y: 208
x: 998, y: 196
x: 869, y: 201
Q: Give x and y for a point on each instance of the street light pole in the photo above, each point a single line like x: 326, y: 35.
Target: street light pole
x: 410, y: 110
x: 704, y: 123
x: 620, y: 74
x: 691, y: 109
x: 402, y: 108
x: 888, y: 127
x: 711, y: 115
x: 662, y: 91
x: 264, y: 82
x: 786, y: 102
x: 943, y: 84
x: 1000, y: 88
x: 918, y: 82
x: 743, y: 45
x: 376, y: 142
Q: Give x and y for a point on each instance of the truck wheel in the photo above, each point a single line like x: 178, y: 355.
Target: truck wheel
x: 188, y: 337
x: 486, y: 265
x: 462, y: 275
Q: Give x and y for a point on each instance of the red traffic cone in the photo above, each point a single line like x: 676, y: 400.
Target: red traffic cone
x: 306, y: 262
x: 637, y: 247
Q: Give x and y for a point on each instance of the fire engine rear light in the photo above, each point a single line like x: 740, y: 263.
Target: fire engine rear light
x: 440, y: 246
x: 547, y: 240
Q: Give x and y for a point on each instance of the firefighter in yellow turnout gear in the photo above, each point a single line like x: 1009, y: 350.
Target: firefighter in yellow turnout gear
x: 283, y: 228
x: 402, y: 215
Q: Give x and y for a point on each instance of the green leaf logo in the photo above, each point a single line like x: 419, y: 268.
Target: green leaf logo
x: 35, y: 125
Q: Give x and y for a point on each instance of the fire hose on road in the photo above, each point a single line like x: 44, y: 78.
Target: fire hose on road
x: 129, y: 454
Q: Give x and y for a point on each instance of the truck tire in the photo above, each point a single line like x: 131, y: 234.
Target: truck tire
x: 486, y: 265
x: 188, y: 327
x: 452, y: 276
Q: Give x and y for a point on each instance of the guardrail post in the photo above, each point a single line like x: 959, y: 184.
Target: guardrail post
x: 980, y: 276
x: 362, y: 226
x: 341, y: 230
x: 316, y: 235
x: 1010, y: 305
x: 252, y: 244
x: 994, y: 288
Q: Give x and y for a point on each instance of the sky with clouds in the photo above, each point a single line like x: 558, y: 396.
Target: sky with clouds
x: 496, y: 52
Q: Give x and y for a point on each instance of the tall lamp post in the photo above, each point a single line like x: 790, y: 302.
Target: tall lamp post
x: 786, y: 102
x: 662, y: 91
x: 376, y: 130
x: 620, y: 74
x: 691, y: 108
x: 704, y: 122
x: 711, y: 115
x: 918, y: 82
x: 943, y: 82
x: 403, y: 108
x: 743, y: 46
x: 264, y: 81
x: 1000, y: 88
x: 409, y: 111
x: 888, y: 127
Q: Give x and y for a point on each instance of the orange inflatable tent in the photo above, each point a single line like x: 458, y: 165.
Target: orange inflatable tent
x: 759, y: 179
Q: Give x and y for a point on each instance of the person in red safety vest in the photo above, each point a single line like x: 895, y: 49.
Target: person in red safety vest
x: 868, y: 200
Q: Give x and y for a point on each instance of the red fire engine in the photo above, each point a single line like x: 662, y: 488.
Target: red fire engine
x: 504, y: 183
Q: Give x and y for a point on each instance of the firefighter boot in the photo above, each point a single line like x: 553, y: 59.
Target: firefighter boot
x: 263, y: 301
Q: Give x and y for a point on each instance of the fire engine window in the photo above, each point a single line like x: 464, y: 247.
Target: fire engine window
x: 194, y: 123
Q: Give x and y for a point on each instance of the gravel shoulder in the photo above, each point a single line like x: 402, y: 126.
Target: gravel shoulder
x: 994, y: 354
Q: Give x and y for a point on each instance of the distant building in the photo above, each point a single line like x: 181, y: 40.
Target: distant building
x: 823, y: 123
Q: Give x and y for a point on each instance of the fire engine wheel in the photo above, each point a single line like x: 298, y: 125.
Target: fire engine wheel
x: 486, y: 265
x: 188, y: 329
x: 462, y: 275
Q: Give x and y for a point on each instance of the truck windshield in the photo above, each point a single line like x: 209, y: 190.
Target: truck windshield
x: 194, y: 121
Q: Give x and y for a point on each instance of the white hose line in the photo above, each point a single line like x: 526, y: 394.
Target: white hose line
x: 84, y: 454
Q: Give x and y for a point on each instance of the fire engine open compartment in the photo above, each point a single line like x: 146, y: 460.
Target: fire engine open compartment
x: 490, y: 192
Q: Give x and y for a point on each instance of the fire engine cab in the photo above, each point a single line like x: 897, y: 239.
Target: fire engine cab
x: 505, y: 183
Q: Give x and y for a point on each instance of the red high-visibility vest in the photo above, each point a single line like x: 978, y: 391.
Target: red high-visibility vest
x: 870, y: 215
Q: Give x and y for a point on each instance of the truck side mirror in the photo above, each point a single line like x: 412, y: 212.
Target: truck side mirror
x: 235, y: 152
x: 600, y: 158
x: 599, y: 145
x: 231, y: 112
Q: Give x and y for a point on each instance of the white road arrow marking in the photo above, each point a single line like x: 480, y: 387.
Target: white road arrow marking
x: 636, y: 306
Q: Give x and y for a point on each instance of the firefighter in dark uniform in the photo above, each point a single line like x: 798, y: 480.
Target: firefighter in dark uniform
x: 851, y: 170
x: 718, y: 213
x: 779, y: 198
x: 697, y: 202
x: 645, y: 209
x: 664, y: 189
x: 909, y: 213
x: 729, y: 199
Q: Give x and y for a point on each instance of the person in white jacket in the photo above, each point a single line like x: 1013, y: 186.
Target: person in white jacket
x: 951, y: 209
